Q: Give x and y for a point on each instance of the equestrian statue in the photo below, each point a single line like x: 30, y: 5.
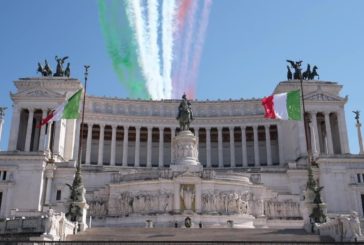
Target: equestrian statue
x: 185, y: 115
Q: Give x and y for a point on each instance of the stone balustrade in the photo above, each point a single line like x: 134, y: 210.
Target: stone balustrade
x: 343, y: 228
x: 50, y: 226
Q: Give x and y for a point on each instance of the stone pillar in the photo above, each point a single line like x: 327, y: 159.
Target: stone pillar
x: 177, y: 200
x: 88, y: 143
x: 256, y: 146
x: 41, y: 146
x: 343, y: 132
x: 113, y: 144
x: 361, y: 150
x: 77, y: 139
x: 29, y: 129
x: 125, y: 146
x: 268, y: 145
x: 149, y: 147
x: 49, y: 176
x: 328, y: 133
x: 173, y: 134
x: 57, y: 137
x: 161, y: 147
x: 137, y: 146
x: 280, y: 144
x: 49, y: 137
x: 315, y: 139
x: 220, y: 150
x: 244, y: 156
x: 13, y: 137
x: 232, y: 147
x: 198, y: 204
x: 2, y: 115
x: 208, y: 147
x: 100, y: 159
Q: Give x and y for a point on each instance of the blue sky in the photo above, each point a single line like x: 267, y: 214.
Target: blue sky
x: 246, y: 46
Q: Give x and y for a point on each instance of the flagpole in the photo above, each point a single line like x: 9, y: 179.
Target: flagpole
x: 309, y: 153
x: 82, y: 120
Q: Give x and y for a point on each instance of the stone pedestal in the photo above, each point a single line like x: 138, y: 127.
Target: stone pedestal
x: 185, y: 153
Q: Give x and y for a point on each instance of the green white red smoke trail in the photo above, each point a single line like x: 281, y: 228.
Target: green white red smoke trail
x: 161, y: 45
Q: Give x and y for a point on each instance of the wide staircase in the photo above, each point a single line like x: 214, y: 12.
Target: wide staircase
x: 198, y: 235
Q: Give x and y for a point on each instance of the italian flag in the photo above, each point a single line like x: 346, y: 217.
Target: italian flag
x: 67, y: 110
x: 284, y: 106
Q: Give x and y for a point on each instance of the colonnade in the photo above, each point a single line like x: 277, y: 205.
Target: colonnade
x: 219, y: 146
x: 233, y: 146
x: 327, y: 133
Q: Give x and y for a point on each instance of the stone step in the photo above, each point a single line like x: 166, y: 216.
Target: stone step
x: 196, y: 234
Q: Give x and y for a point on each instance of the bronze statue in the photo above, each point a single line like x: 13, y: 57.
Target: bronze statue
x: 314, y: 74
x: 59, y: 70
x: 46, y: 70
x: 289, y: 73
x: 357, y: 116
x: 185, y: 115
x: 297, y: 68
x: 67, y: 71
x: 307, y: 74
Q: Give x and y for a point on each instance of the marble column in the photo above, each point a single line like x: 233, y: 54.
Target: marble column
x: 330, y: 149
x: 100, y: 160
x: 88, y: 143
x: 315, y: 139
x: 280, y: 144
x: 125, y: 146
x: 57, y: 136
x: 149, y: 147
x: 244, y: 156
x: 29, y: 129
x: 77, y: 139
x: 161, y: 147
x: 256, y: 146
x: 358, y: 126
x: 14, y: 131
x: 232, y: 147
x: 173, y: 134
x: 198, y: 204
x: 137, y: 147
x: 41, y: 146
x: 113, y: 145
x: 220, y: 150
x: 49, y: 176
x: 268, y: 145
x: 208, y: 147
x: 47, y: 142
x: 177, y: 198
x: 344, y: 141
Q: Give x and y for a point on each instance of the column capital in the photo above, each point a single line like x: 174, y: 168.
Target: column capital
x: 161, y: 128
x: 208, y: 129
x: 138, y: 127
x: 255, y: 126
x: 90, y: 124
x: 231, y: 128
x: 243, y: 127
x: 114, y: 126
x: 102, y: 125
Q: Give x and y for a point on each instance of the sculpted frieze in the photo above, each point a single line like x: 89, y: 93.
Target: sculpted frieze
x: 286, y: 209
x: 141, y: 203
